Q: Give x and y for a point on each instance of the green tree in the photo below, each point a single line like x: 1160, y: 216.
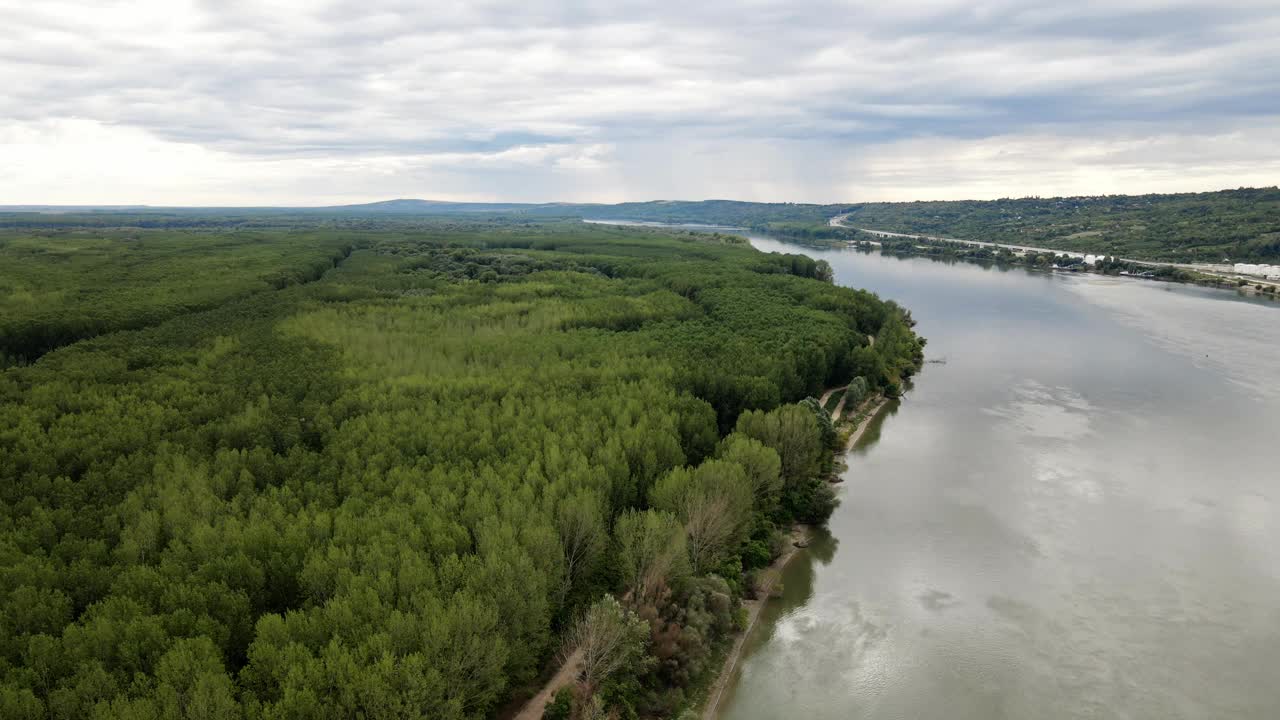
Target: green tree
x: 609, y: 639
x: 651, y: 551
x: 714, y: 502
x: 761, y: 464
x: 793, y: 432
x: 581, y: 529
x: 192, y: 683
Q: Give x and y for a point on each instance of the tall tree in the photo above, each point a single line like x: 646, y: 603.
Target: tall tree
x: 714, y: 501
x: 651, y: 551
x: 761, y: 464
x: 793, y: 432
x: 580, y: 525
x: 609, y: 638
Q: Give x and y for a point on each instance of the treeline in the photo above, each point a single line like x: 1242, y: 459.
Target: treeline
x: 709, y: 212
x: 942, y: 249
x: 821, y: 233
x: 397, y: 490
x: 60, y: 287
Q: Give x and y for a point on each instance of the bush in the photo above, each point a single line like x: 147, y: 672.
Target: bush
x: 756, y: 554
x: 561, y: 706
x: 812, y: 502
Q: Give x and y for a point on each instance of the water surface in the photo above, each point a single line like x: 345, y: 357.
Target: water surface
x: 1075, y: 512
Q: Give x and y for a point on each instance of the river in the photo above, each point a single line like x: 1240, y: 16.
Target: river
x: 1074, y: 513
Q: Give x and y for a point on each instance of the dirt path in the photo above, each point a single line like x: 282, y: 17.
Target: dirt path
x: 835, y: 414
x: 822, y: 401
x: 532, y: 710
x: 768, y: 579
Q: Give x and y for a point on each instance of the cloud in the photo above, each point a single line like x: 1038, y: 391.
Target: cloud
x: 240, y: 101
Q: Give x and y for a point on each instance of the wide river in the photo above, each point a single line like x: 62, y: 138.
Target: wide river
x: 1075, y: 513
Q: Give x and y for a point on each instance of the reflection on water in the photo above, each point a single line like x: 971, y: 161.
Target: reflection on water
x: 1074, y: 516
x: 1043, y: 412
x: 1238, y: 340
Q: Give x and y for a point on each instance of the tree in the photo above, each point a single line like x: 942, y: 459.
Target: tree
x: 855, y: 393
x: 822, y: 271
x: 193, y: 683
x: 609, y: 638
x: 651, y: 551
x: 580, y: 525
x: 761, y: 464
x: 714, y: 501
x: 560, y: 707
x: 866, y: 362
x: 826, y: 428
x: 792, y: 432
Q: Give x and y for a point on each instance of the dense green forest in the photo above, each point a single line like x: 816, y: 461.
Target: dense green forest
x: 336, y: 473
x: 60, y: 287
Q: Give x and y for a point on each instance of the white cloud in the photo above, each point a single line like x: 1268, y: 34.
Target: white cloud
x: 307, y: 102
x: 1048, y: 164
x: 86, y: 162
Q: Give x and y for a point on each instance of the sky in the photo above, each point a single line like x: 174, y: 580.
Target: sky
x: 315, y: 102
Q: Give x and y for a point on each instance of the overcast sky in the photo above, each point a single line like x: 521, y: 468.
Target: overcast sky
x: 311, y: 102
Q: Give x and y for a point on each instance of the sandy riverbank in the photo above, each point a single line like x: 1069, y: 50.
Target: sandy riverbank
x: 800, y: 535
x: 876, y: 404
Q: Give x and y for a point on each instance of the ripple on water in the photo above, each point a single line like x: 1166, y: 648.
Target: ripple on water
x: 1212, y: 329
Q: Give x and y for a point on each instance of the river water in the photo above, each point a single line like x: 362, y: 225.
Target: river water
x: 1075, y: 512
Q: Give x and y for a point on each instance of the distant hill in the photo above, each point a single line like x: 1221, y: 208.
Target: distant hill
x: 408, y: 206
x: 1241, y: 224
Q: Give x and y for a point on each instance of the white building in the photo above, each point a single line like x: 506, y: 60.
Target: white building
x: 1270, y: 272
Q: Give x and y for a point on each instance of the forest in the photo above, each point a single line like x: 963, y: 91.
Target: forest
x: 393, y: 472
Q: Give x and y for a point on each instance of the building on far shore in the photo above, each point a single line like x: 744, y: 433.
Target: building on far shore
x: 1270, y: 272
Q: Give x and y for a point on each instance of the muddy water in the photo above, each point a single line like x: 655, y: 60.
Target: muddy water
x: 1075, y: 513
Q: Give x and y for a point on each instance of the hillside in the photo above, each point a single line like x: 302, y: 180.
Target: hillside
x: 1194, y: 227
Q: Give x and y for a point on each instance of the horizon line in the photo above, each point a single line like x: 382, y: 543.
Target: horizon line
x: 145, y: 206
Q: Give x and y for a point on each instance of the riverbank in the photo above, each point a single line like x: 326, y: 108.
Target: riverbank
x: 800, y: 538
x: 765, y: 586
x: 868, y: 412
x: 1207, y: 274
